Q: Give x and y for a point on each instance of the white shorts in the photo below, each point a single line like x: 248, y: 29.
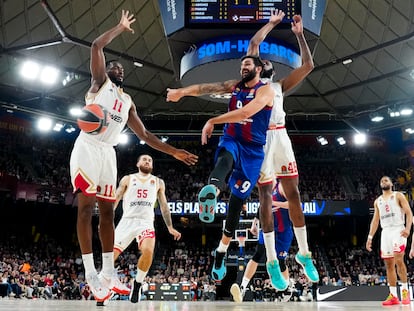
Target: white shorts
x: 132, y: 228
x: 279, y: 160
x: 392, y: 241
x: 93, y: 168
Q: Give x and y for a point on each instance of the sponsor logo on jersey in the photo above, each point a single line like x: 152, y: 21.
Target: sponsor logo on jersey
x: 116, y: 118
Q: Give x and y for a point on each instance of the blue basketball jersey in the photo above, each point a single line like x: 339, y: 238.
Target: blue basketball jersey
x: 251, y: 132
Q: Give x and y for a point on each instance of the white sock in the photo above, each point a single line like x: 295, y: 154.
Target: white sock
x: 140, y: 276
x: 404, y: 286
x: 108, y: 263
x: 88, y: 264
x: 302, y: 239
x: 244, y: 284
x: 222, y: 248
x: 393, y: 291
x: 269, y: 241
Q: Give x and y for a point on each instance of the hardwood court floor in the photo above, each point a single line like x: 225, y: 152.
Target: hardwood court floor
x: 67, y: 305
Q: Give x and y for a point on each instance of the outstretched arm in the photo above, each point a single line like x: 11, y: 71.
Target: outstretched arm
x: 136, y: 125
x: 298, y: 74
x: 264, y: 97
x: 97, y: 65
x: 275, y: 18
x: 174, y: 95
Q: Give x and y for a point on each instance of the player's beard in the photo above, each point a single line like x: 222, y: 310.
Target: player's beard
x: 116, y: 81
x: 145, y: 169
x: 387, y: 187
x: 250, y: 76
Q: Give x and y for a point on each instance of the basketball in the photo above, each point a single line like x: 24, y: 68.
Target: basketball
x: 94, y: 119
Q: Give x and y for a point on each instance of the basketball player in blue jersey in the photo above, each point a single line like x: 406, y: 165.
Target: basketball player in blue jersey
x: 392, y: 211
x: 93, y: 161
x: 239, y: 154
x: 282, y: 243
x: 280, y: 159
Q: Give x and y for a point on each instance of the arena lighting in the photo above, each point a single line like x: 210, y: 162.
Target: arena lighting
x: 70, y: 129
x: 376, y: 117
x: 406, y: 110
x: 49, y: 75
x: 142, y: 142
x: 341, y: 140
x: 58, y: 127
x: 138, y: 64
x: 75, y: 111
x: 44, y: 124
x: 30, y: 70
x: 409, y: 130
x: 360, y: 138
x: 347, y: 61
x: 164, y: 139
x: 393, y: 113
x: 322, y: 140
x: 123, y: 139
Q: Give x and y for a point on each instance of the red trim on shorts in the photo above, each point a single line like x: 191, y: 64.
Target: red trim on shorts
x: 264, y: 183
x: 106, y: 199
x: 118, y: 249
x: 82, y: 184
x: 275, y: 127
x: 287, y: 176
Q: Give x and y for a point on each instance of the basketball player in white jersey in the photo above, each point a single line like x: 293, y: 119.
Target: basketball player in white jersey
x: 140, y: 192
x: 93, y: 160
x: 393, y: 213
x: 279, y: 158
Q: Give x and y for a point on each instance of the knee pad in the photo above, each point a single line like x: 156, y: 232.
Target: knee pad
x: 233, y: 215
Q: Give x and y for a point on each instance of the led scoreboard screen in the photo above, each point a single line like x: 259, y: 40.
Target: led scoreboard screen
x: 237, y: 12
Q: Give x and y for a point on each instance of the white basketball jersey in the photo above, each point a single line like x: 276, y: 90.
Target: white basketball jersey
x: 278, y: 114
x: 140, y: 197
x: 117, y: 103
x: 390, y: 211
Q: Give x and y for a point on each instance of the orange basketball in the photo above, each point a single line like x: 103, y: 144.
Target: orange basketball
x: 94, y: 119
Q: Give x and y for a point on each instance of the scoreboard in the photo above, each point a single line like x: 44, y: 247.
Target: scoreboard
x: 237, y: 12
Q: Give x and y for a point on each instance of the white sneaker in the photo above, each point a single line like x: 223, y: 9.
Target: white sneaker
x: 99, y: 291
x: 236, y: 293
x: 114, y: 284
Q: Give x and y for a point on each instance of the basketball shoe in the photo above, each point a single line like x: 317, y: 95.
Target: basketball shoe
x: 207, y: 199
x: 113, y: 283
x: 219, y: 266
x: 237, y: 292
x: 276, y: 278
x: 136, y: 292
x: 405, y: 297
x: 99, y: 291
x: 391, y: 300
x: 308, y: 267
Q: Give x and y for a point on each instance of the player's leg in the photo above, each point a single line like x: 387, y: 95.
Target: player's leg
x: 402, y: 274
x: 207, y: 196
x: 146, y: 246
x: 387, y: 254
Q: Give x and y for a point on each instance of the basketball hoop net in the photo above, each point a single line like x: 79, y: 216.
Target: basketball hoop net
x: 241, y: 240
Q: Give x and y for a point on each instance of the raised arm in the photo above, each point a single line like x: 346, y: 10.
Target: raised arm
x: 275, y: 18
x: 174, y: 95
x: 136, y: 125
x: 165, y: 211
x: 97, y: 64
x: 297, y: 75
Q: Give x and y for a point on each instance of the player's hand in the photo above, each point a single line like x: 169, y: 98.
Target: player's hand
x: 175, y: 234
x: 254, y: 229
x: 276, y: 16
x: 174, y: 95
x: 411, y: 254
x: 126, y: 20
x: 368, y: 245
x: 186, y: 157
x: 405, y: 233
x: 297, y: 26
x: 207, y: 132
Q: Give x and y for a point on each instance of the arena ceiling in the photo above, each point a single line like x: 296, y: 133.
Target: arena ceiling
x: 377, y: 35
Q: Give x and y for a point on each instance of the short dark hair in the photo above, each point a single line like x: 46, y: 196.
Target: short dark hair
x: 256, y: 59
x: 109, y: 62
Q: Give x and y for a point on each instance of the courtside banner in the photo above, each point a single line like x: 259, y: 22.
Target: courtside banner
x: 313, y: 208
x: 352, y: 293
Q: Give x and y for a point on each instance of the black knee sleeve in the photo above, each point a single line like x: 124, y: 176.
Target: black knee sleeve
x: 282, y: 264
x: 222, y: 169
x: 233, y: 215
x: 258, y: 255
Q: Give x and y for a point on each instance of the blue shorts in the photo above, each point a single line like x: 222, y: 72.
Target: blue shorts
x: 283, y: 239
x: 248, y: 160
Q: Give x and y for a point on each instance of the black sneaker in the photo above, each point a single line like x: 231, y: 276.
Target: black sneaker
x: 136, y: 292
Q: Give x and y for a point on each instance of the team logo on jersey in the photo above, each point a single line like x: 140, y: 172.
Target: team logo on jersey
x: 251, y: 94
x: 238, y: 184
x: 152, y: 182
x: 283, y: 169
